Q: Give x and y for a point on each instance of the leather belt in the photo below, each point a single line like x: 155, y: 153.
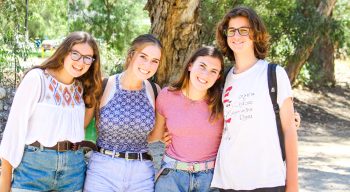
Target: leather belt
x: 126, y: 155
x: 60, y: 146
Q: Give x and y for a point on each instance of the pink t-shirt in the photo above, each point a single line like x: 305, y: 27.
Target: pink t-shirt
x: 194, y: 138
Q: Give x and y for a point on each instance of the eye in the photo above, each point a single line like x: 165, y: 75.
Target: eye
x: 75, y: 53
x: 155, y: 61
x: 244, y: 31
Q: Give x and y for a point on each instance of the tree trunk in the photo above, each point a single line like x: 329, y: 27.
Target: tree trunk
x: 322, y: 61
x: 302, y: 53
x: 174, y: 23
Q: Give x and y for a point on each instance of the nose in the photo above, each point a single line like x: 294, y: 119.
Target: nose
x: 236, y: 32
x: 205, y: 73
x: 81, y: 61
x: 148, y: 63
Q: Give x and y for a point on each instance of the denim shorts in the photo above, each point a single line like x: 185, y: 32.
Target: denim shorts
x: 106, y: 173
x: 173, y: 180
x: 49, y: 170
x: 269, y: 189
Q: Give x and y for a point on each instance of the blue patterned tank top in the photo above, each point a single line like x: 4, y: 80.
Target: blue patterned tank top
x: 125, y: 121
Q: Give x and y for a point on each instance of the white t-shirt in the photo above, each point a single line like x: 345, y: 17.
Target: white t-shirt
x: 58, y: 116
x: 249, y: 156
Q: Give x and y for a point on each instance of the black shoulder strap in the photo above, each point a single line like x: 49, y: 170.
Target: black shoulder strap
x: 104, y: 84
x: 226, y: 72
x: 154, y: 87
x: 272, y: 81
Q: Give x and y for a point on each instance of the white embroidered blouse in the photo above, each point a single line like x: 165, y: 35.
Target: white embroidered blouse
x: 43, y: 110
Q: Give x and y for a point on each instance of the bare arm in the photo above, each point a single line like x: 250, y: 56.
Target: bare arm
x: 89, y: 114
x: 291, y: 144
x: 6, y: 176
x: 158, y: 131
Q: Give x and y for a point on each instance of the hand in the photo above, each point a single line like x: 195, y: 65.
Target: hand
x: 166, y: 139
x: 297, y: 119
x: 6, y: 176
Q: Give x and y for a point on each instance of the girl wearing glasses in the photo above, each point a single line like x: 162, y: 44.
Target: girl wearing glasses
x: 126, y: 117
x: 249, y: 157
x: 47, y: 120
x: 191, y: 110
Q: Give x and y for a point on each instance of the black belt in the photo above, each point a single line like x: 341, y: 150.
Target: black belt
x: 127, y: 156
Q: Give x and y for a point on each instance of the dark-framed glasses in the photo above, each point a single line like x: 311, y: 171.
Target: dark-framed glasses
x: 244, y: 31
x: 76, y: 56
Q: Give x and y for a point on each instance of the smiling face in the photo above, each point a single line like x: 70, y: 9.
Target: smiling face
x: 73, y: 69
x: 144, y: 63
x: 240, y: 43
x: 204, y: 72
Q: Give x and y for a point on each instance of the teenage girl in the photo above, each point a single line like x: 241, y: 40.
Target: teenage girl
x: 126, y: 117
x: 191, y: 110
x: 47, y: 120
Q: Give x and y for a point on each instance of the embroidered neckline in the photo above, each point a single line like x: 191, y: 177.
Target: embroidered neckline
x: 63, y: 94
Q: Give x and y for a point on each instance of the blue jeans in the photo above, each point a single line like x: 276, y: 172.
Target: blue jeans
x: 49, y: 170
x: 106, y: 173
x: 172, y: 180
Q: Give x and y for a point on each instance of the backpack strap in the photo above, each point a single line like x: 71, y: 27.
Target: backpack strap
x: 226, y: 72
x: 154, y: 87
x: 272, y: 81
x: 104, y: 84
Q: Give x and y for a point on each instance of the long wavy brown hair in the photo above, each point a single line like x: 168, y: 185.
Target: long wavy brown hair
x: 258, y: 34
x: 91, y: 80
x: 214, y: 93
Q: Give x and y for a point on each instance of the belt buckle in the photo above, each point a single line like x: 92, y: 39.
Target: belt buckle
x: 190, y: 167
x: 63, y: 150
x: 126, y: 156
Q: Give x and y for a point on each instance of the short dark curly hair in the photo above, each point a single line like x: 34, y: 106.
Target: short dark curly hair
x: 259, y: 36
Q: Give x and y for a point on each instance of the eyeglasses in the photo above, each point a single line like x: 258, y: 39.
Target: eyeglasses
x: 76, y: 56
x: 244, y: 31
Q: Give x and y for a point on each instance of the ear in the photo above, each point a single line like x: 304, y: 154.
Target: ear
x: 190, y: 67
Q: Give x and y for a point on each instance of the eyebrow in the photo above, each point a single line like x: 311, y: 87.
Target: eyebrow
x: 82, y: 54
x: 238, y: 27
x: 148, y: 56
x: 207, y: 65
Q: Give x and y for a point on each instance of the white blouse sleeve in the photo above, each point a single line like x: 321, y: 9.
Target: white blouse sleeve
x: 284, y: 88
x: 23, y: 105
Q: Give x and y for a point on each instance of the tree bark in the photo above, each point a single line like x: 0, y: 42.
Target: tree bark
x: 322, y: 59
x: 174, y: 23
x: 302, y: 53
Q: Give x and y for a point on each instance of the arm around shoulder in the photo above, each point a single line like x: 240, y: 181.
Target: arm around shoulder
x: 158, y: 131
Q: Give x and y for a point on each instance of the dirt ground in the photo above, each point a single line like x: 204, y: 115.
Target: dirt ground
x: 324, y: 136
x: 324, y: 144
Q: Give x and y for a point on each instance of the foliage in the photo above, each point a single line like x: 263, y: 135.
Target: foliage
x: 13, y: 45
x: 288, y: 22
x: 47, y: 19
x: 114, y: 22
x: 340, y: 28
